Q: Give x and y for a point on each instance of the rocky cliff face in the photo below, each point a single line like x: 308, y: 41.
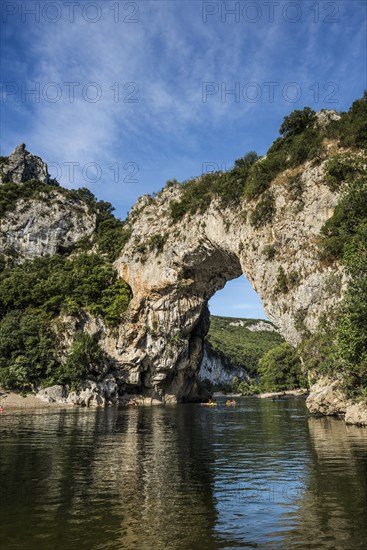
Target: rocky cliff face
x: 42, y: 226
x: 21, y: 166
x: 198, y: 255
x: 216, y: 370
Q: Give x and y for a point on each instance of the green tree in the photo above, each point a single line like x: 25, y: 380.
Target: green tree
x: 27, y: 345
x: 85, y: 357
x: 280, y: 369
x: 297, y: 122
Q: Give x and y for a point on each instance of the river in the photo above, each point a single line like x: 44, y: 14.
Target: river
x: 262, y: 474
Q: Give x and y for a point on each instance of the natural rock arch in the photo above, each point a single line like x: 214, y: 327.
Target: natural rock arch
x: 175, y: 268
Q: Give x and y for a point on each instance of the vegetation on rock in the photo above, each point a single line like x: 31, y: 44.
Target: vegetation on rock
x: 301, y: 139
x: 339, y: 347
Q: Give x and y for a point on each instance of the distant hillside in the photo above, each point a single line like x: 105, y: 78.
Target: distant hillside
x: 242, y: 341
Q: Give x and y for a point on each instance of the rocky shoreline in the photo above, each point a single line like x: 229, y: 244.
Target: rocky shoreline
x: 56, y: 397
x: 324, y: 399
x: 327, y: 399
x: 301, y: 393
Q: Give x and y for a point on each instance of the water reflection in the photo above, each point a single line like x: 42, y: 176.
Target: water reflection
x: 106, y: 479
x: 333, y: 508
x: 263, y: 474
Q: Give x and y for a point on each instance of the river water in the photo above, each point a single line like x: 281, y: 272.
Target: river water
x: 262, y: 474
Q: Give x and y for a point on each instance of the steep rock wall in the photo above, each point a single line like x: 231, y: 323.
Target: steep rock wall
x: 22, y: 166
x: 44, y: 225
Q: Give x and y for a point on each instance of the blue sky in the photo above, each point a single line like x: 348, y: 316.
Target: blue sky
x: 142, y: 94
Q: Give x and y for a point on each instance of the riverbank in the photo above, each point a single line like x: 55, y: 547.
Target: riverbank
x: 299, y: 393
x: 12, y: 401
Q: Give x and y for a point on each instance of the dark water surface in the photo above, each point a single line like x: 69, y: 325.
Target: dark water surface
x: 261, y: 475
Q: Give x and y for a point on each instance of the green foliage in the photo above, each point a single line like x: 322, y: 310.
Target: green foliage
x: 301, y: 140
x: 85, y: 358
x: 297, y: 122
x: 111, y: 233
x: 269, y: 251
x: 248, y: 388
x: 342, y: 349
x: 264, y: 211
x: 64, y: 284
x: 341, y: 228
x: 10, y: 193
x: 178, y: 209
x: 263, y: 172
x: 344, y: 168
x: 352, y: 327
x: 333, y: 284
x: 197, y: 194
x: 244, y: 163
x: 171, y: 182
x: 351, y: 129
x: 156, y: 242
x: 36, y: 292
x: 280, y: 369
x: 285, y: 282
x: 241, y: 346
x: 33, y: 294
x: 111, y: 236
x: 27, y: 346
x: 281, y: 286
x: 319, y: 350
x: 295, y: 186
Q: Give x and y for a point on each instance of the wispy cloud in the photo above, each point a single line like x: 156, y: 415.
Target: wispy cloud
x: 168, y: 54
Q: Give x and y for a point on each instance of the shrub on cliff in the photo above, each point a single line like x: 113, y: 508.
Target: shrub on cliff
x: 352, y: 327
x: 65, y: 284
x: 227, y: 187
x: 264, y: 211
x: 351, y: 128
x: 349, y: 214
x: 344, y: 168
x: 297, y: 122
x: 301, y: 139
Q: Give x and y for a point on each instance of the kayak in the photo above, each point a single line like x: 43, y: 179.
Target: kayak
x: 209, y: 404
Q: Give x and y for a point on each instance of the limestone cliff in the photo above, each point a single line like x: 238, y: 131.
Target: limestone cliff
x: 215, y: 369
x: 21, y: 166
x: 198, y: 255
x: 43, y: 225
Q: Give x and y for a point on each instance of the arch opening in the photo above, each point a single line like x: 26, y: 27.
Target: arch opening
x: 237, y: 299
